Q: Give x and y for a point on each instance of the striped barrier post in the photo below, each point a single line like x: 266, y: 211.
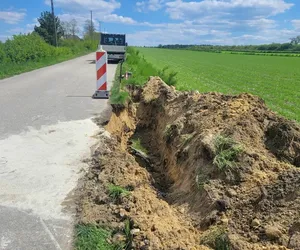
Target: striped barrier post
x: 101, y: 67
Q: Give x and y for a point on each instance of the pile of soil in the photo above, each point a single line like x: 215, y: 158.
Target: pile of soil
x: 180, y: 198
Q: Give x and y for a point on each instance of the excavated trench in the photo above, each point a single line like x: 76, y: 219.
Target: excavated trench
x: 209, y: 171
x: 151, y: 162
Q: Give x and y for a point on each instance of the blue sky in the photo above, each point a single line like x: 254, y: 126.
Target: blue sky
x: 153, y: 22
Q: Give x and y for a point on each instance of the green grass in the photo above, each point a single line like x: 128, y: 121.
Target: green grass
x: 117, y: 192
x: 275, y: 79
x: 11, y: 69
x: 262, y: 53
x: 91, y: 237
x: 216, y: 237
x: 136, y: 144
x: 227, y: 151
x: 117, y: 95
x: 141, y: 69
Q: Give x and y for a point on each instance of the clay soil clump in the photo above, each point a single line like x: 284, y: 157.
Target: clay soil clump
x: 211, y: 171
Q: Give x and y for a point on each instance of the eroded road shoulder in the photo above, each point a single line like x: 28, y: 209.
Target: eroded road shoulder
x: 38, y: 170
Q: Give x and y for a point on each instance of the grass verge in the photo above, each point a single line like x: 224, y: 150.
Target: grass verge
x: 118, y: 95
x: 140, y: 70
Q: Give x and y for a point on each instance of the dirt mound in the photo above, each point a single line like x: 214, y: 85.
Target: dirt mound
x: 215, y: 170
x: 153, y: 222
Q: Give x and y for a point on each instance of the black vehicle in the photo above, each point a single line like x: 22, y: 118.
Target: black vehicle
x: 115, y: 45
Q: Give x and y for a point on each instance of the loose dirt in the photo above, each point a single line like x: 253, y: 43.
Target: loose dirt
x: 179, y: 197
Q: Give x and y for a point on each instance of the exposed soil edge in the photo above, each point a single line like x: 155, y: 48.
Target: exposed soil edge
x: 122, y: 126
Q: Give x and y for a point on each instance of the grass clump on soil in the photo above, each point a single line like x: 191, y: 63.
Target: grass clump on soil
x: 91, y: 237
x: 227, y: 151
x: 216, y: 237
x: 117, y: 192
x: 136, y: 144
x: 201, y: 180
x: 128, y: 235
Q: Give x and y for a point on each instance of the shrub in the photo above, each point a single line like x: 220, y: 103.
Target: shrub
x: 25, y: 52
x: 24, y: 48
x: 31, y: 47
x: 169, y: 78
x: 2, y: 53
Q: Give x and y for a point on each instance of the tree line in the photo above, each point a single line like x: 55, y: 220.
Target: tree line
x: 65, y: 30
x: 292, y: 47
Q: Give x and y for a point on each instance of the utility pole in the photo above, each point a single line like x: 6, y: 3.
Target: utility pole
x: 92, y: 25
x: 100, y: 26
x: 54, y: 23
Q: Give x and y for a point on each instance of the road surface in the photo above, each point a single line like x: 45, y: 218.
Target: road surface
x: 46, y: 132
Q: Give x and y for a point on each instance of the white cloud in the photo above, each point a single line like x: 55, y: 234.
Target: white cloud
x: 261, y: 23
x: 103, y: 11
x: 170, y: 33
x: 113, y: 18
x: 207, y: 32
x: 3, y: 38
x: 189, y: 10
x: 30, y: 26
x: 17, y: 30
x: 97, y: 19
x: 12, y: 17
x: 82, y: 6
x: 214, y: 37
x: 217, y: 22
x: 24, y: 30
x: 296, y: 24
x: 152, y: 5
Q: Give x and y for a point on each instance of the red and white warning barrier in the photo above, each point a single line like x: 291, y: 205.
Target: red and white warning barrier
x: 101, y: 67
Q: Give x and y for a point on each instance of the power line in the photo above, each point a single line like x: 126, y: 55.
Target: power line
x: 54, y: 23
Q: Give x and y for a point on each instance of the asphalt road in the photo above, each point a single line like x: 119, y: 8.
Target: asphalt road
x: 46, y: 130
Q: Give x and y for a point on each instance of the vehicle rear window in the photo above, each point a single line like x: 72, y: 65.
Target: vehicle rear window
x: 109, y: 39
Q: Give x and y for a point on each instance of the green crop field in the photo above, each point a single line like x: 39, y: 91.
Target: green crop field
x: 275, y: 79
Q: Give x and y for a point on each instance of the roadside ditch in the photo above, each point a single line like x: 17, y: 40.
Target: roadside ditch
x: 184, y: 170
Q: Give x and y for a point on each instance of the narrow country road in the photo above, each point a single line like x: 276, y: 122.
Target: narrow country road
x: 45, y: 134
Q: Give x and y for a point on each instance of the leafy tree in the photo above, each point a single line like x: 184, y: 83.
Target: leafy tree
x: 46, y: 28
x: 74, y: 27
x: 295, y: 40
x: 89, y: 29
x: 70, y: 29
x: 66, y: 28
